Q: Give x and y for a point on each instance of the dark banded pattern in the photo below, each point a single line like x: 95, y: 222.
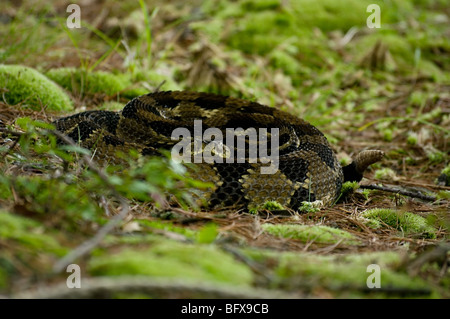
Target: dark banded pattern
x: 308, y: 169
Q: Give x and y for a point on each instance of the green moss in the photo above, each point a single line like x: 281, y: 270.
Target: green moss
x: 258, y: 5
x: 78, y: 80
x: 24, y: 84
x: 5, y: 187
x: 436, y: 156
x: 372, y: 223
x: 310, y: 207
x: 286, y: 62
x: 3, y: 278
x: 269, y: 205
x: 100, y: 82
x: 306, y: 233
x: 443, y: 194
x: 404, y: 55
x: 264, y: 26
x: 173, y: 260
x: 27, y: 233
x: 407, y: 222
x: 349, y: 187
x: 27, y: 247
x: 57, y: 198
x: 418, y: 98
x: 344, y: 275
x: 345, y: 161
x: 131, y: 239
x: 112, y: 106
x: 207, y: 234
x: 169, y: 227
x: 263, y: 30
x: 387, y: 134
x: 385, y: 173
x: 273, y: 205
x: 412, y: 138
x: 331, y: 15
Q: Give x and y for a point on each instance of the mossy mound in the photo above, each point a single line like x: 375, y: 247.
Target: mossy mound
x: 338, y: 272
x: 26, y: 247
x: 407, y: 222
x: 331, y: 15
x: 27, y: 233
x: 171, y: 259
x: 385, y: 174
x: 25, y: 85
x: 344, y: 275
x: 78, y: 80
x: 306, y: 233
x: 109, y: 84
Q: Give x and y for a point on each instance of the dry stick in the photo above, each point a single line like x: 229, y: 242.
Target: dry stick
x: 400, y: 191
x: 90, y: 244
x: 426, y: 185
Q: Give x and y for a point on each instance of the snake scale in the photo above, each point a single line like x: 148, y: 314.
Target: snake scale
x: 307, y: 168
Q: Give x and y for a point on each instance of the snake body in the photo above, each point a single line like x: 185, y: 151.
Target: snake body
x: 307, y: 169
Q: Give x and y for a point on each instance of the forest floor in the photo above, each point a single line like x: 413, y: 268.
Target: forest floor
x: 384, y: 88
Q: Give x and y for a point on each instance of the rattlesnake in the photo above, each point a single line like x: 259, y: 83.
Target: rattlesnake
x: 307, y: 167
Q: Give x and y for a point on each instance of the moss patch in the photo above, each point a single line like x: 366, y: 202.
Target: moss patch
x: 385, y: 173
x: 405, y: 221
x: 345, y: 275
x: 26, y: 247
x: 262, y: 27
x: 28, y: 233
x: 173, y: 260
x: 349, y: 187
x: 109, y: 84
x: 317, y: 233
x: 168, y: 226
x: 345, y: 271
x: 78, y: 80
x: 403, y: 56
x: 24, y: 84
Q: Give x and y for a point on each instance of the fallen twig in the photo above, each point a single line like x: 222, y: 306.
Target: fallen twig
x: 417, y: 194
x: 90, y: 244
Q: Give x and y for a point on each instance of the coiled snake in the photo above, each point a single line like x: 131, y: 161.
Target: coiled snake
x: 307, y: 168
